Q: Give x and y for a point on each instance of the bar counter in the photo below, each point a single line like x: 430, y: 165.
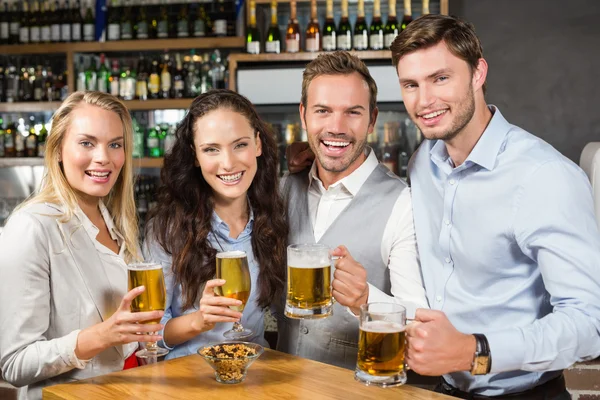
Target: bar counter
x: 274, y: 375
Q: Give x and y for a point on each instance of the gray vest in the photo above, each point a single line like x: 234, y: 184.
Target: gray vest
x: 360, y: 226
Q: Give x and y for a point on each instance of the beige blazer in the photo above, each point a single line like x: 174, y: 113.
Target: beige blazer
x: 52, y: 284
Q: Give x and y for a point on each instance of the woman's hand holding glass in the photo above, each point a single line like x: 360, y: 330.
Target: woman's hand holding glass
x: 214, y: 309
x: 121, y: 328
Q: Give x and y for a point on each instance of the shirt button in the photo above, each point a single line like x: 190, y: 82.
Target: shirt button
x: 447, y: 222
x: 304, y: 330
x: 452, y: 181
x: 439, y: 298
x: 447, y: 259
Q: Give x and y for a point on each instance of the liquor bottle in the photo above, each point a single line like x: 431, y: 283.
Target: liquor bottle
x: 55, y: 27
x: 153, y: 143
x: 407, y: 15
x: 141, y: 83
x: 31, y: 142
x: 80, y: 84
x: 292, y: 35
x: 220, y: 19
x: 24, y: 26
x: 48, y: 82
x: 15, y: 24
x: 20, y: 135
x: 138, y: 139
x: 162, y: 134
x: 10, y: 136
x: 41, y: 141
x: 103, y: 76
x: 76, y: 22
x: 126, y: 22
x: 361, y: 29
x: 344, y: 32
x: 154, y: 81
x: 273, y: 41
x: 4, y: 26
x: 38, y: 84
x: 425, y: 7
x: 252, y: 34
x: 89, y: 24
x: 91, y: 76
x: 192, y: 78
x: 114, y: 23
x: 11, y: 84
x: 162, y: 28
x: 165, y: 78
x: 115, y: 78
x: 217, y: 70
x: 178, y: 82
x: 183, y: 24
x: 391, y: 26
x: 25, y: 85
x: 329, y: 29
x: 376, y: 35
x: 142, y: 27
x: 65, y: 26
x: 46, y: 21
x: 313, y: 33
x: 169, y: 140
x: 34, y: 23
x: 199, y: 25
x: 127, y: 83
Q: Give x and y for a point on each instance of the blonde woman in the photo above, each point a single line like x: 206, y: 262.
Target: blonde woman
x: 64, y: 305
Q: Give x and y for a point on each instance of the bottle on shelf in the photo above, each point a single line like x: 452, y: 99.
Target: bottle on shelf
x: 389, y: 149
x: 217, y: 70
x: 407, y: 19
x: 76, y: 22
x: 313, y: 33
x: 142, y: 27
x: 91, y: 75
x: 154, y: 81
x: 113, y: 31
x: 11, y: 83
x: 138, y: 139
x: 273, y: 41
x: 55, y: 25
x: 41, y: 142
x: 344, y: 32
x: 65, y: 26
x: 10, y: 135
x: 178, y: 78
x: 20, y: 138
x: 38, y: 84
x: 45, y: 22
x: 126, y: 24
x: 361, y: 29
x: 292, y: 35
x: 329, y: 30
x: 34, y: 22
x: 252, y: 34
x: 24, y: 25
x: 153, y: 143
x: 4, y: 26
x: 2, y: 134
x: 220, y: 23
x: 165, y: 77
x: 15, y: 25
x: 114, y: 79
x: 103, y: 81
x: 391, y: 26
x: 127, y: 82
x: 141, y: 84
x: 162, y: 28
x: 199, y: 22
x: 89, y: 23
x: 376, y: 30
x: 425, y: 7
x: 183, y: 24
x: 31, y: 141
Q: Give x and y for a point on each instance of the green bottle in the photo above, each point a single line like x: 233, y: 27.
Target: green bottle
x: 89, y: 25
x: 138, y: 139
x: 103, y: 76
x: 344, y: 32
x: 252, y: 33
x: 376, y: 36
x: 273, y: 41
x: 91, y: 76
x: 163, y: 23
x: 361, y: 29
x: 391, y: 26
x: 142, y: 28
x: 153, y: 143
x: 42, y: 137
x: 329, y: 29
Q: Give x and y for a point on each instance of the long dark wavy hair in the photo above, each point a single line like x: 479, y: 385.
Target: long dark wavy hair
x: 182, y: 220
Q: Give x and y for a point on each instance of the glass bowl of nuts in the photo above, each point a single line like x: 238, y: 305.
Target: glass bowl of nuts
x: 231, y: 360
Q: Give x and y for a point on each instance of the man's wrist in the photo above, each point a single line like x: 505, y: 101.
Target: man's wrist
x: 469, y: 350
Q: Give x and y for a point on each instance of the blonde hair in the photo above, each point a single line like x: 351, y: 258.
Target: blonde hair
x: 338, y: 63
x: 56, y: 189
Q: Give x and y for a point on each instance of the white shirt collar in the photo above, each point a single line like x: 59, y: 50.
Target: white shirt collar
x: 353, y: 182
x: 93, y: 230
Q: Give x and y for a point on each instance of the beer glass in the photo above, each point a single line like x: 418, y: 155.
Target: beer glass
x: 153, y: 298
x: 232, y: 266
x: 381, y: 345
x: 308, y: 282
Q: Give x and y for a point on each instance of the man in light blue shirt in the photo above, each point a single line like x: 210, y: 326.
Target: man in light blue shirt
x: 509, y: 247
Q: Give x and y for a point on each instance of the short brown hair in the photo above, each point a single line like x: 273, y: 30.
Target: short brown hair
x: 338, y: 63
x: 429, y: 30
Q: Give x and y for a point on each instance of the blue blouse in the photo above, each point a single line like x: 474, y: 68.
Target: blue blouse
x: 252, y: 317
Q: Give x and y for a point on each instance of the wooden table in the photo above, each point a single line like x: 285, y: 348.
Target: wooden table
x: 274, y: 375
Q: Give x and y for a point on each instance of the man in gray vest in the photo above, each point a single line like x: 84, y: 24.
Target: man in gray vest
x: 352, y: 204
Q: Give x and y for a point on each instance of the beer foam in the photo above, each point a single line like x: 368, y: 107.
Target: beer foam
x: 231, y: 254
x: 144, y: 266
x: 308, y: 265
x: 382, y: 327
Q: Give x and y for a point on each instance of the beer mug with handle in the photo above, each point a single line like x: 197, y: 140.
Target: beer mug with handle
x: 309, y: 281
x: 381, y: 345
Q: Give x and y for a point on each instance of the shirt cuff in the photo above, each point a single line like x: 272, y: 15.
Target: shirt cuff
x: 162, y: 342
x: 378, y: 296
x: 507, y: 348
x: 71, y: 343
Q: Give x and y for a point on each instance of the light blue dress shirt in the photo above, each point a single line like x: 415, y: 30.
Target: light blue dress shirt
x: 510, y: 248
x: 252, y: 317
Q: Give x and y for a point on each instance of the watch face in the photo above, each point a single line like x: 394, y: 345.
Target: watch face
x: 480, y: 366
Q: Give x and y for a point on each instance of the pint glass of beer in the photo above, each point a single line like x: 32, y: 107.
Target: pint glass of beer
x: 381, y: 345
x: 308, y: 281
x: 153, y: 298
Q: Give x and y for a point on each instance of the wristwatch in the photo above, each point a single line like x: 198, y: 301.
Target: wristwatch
x: 482, y: 359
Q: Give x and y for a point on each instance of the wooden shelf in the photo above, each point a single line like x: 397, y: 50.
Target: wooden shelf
x: 30, y: 106
x: 162, y: 104
x: 305, y: 56
x: 35, y: 161
x: 148, y: 162
x: 125, y: 45
x: 21, y: 161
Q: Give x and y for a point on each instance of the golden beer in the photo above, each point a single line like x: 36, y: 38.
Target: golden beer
x: 154, y: 297
x: 381, y: 347
x: 309, y: 288
x: 233, y: 267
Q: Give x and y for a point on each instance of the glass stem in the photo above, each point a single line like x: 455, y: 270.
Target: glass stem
x: 152, y: 346
x: 237, y: 327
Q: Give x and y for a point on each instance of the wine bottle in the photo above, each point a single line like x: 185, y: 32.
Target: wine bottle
x: 292, y: 35
x: 89, y: 24
x: 329, y: 29
x: 313, y: 33
x: 361, y: 29
x: 344, y: 32
x: 391, y: 27
x: 376, y: 36
x: 407, y: 15
x: 252, y: 34
x: 273, y: 41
